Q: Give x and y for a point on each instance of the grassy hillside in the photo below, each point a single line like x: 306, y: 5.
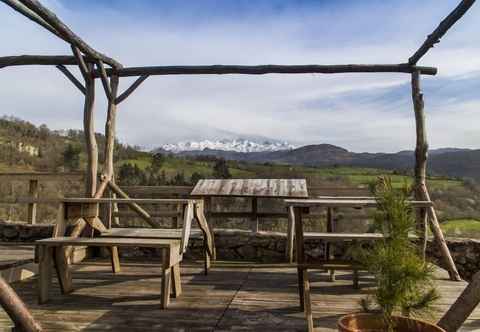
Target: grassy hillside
x: 316, y: 175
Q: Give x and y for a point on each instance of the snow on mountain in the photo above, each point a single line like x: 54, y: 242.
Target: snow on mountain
x: 237, y: 145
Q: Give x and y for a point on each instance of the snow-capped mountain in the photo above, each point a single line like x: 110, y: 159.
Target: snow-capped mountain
x: 237, y: 145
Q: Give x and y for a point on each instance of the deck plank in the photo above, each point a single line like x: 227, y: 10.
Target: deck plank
x: 233, y: 296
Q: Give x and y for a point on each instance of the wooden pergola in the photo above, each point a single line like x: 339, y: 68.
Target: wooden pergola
x: 94, y: 65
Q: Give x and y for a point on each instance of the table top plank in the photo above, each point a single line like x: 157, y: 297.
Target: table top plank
x: 272, y: 188
x: 107, y: 241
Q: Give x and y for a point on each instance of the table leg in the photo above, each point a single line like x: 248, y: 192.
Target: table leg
x: 290, y: 235
x: 176, y: 281
x: 300, y: 253
x: 45, y: 272
x: 329, y: 248
x: 307, y: 301
x: 114, y: 259
x: 61, y: 267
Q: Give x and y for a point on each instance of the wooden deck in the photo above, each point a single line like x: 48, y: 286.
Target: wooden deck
x: 233, y: 297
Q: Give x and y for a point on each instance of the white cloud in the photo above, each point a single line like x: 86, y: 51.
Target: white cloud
x: 340, y: 109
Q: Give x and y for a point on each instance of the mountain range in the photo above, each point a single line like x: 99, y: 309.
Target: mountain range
x: 452, y: 162
x: 236, y: 145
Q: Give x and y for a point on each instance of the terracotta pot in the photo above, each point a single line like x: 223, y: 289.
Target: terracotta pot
x: 363, y: 322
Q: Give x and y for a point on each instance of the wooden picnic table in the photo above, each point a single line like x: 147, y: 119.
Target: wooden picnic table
x: 299, y: 206
x: 250, y: 188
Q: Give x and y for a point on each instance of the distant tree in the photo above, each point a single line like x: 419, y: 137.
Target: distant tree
x: 220, y: 169
x: 158, y: 160
x: 179, y: 179
x: 196, y: 177
x: 131, y: 175
x: 71, y: 157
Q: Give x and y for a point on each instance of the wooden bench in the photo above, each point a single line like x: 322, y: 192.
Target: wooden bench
x: 296, y: 208
x: 194, y: 212
x: 51, y: 250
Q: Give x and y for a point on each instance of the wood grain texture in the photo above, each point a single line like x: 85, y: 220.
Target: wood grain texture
x: 64, y: 31
x: 105, y: 242
x: 270, y: 69
x: 346, y: 202
x: 440, y: 31
x: 233, y: 297
x: 270, y: 188
x: 421, y: 191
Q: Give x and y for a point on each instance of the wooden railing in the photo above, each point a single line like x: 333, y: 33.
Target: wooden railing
x: 34, y: 179
x: 32, y: 200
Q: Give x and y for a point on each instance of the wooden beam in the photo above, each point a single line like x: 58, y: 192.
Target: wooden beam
x: 130, y: 89
x: 268, y: 69
x: 25, y: 11
x: 90, y: 140
x: 85, y: 70
x: 421, y: 191
x: 41, y: 60
x: 50, y: 18
x: 72, y: 78
x: 458, y: 313
x: 104, y: 79
x: 109, y: 138
x: 134, y: 206
x: 440, y: 31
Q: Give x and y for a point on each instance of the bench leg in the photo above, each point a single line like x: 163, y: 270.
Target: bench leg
x: 63, y: 272
x: 301, y: 290
x: 45, y: 272
x: 207, y: 261
x: 307, y: 301
x: 176, y: 281
x: 166, y: 286
x: 115, y: 260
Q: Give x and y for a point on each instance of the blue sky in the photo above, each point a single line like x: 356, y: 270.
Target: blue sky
x: 371, y: 112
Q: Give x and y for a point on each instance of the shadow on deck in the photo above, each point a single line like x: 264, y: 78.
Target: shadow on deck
x: 234, y: 296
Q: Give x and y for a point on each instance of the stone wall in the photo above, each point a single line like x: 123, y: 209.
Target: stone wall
x: 263, y: 246
x: 465, y: 253
x: 22, y: 232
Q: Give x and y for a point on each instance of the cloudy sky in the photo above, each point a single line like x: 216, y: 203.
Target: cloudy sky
x: 361, y: 112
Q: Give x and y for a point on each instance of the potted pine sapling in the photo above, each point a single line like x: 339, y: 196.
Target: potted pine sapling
x: 404, y: 290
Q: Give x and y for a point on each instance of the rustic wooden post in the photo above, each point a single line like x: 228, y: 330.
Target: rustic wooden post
x: 16, y: 309
x: 463, y: 306
x: 90, y: 140
x: 421, y: 155
x: 421, y: 191
x: 32, y: 206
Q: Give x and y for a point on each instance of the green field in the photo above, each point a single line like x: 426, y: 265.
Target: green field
x: 348, y: 175
x: 461, y: 228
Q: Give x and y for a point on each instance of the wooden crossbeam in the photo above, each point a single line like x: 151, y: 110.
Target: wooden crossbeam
x: 52, y: 20
x: 104, y: 79
x: 25, y: 11
x: 130, y: 89
x: 40, y: 60
x: 72, y: 78
x: 442, y: 28
x: 269, y: 69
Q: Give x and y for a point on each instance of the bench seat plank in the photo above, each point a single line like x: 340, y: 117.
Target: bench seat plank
x: 343, y: 236
x: 344, y: 202
x: 149, y: 233
x: 107, y: 241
